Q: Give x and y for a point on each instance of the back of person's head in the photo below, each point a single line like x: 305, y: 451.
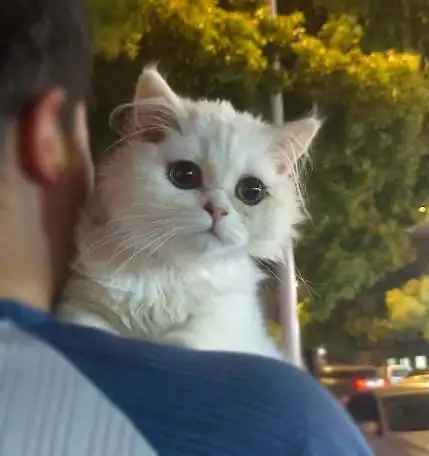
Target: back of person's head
x: 45, y: 169
x: 44, y: 44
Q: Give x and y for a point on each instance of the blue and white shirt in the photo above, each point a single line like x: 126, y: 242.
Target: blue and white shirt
x: 67, y: 390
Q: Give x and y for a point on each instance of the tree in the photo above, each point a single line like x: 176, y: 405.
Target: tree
x: 402, y: 25
x: 360, y: 324
x: 409, y: 306
x: 371, y: 161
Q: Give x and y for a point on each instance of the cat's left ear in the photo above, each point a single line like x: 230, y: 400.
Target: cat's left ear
x: 292, y: 141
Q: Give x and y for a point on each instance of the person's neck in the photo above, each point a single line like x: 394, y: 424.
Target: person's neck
x: 24, y: 274
x: 24, y: 251
x: 21, y: 279
x: 23, y: 295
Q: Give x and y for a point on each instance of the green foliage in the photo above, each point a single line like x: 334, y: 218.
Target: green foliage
x: 409, y: 306
x: 388, y: 24
x: 352, y: 326
x: 370, y: 163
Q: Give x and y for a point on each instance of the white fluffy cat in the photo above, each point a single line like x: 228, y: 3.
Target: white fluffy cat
x: 191, y: 192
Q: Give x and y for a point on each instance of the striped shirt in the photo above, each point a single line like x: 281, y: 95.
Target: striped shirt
x: 67, y: 390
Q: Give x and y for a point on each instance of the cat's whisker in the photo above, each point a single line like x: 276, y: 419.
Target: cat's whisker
x: 163, y: 242
x: 94, y: 246
x: 129, y: 218
x: 130, y: 243
x: 310, y: 290
x: 125, y: 210
x: 135, y: 205
x: 127, y: 139
x: 159, y: 222
x: 103, y: 241
x: 156, y: 240
x: 142, y: 249
x: 270, y: 271
x: 300, y: 278
x: 113, y: 146
x: 130, y: 258
x: 120, y: 249
x: 182, y: 220
x: 142, y: 210
x: 276, y: 276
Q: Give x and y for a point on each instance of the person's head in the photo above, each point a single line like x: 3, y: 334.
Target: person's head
x: 45, y: 167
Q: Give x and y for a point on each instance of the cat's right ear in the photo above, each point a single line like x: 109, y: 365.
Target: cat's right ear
x: 154, y: 109
x: 152, y: 86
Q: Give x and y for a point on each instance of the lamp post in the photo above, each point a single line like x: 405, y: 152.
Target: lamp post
x: 288, y: 300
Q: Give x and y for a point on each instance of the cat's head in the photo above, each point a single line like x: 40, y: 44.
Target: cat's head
x: 197, y: 178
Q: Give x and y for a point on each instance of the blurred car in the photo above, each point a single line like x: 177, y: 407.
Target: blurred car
x: 393, y: 373
x: 417, y: 376
x: 343, y: 380
x: 416, y: 379
x: 417, y: 373
x: 394, y: 419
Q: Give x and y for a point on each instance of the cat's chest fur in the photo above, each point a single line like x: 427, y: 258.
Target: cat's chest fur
x: 208, y: 306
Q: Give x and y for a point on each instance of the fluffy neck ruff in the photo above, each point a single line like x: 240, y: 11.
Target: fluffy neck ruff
x: 149, y: 297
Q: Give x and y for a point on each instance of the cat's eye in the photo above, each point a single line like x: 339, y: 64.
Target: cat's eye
x: 185, y: 175
x: 250, y: 190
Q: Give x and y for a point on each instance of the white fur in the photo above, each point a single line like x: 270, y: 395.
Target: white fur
x: 147, y: 266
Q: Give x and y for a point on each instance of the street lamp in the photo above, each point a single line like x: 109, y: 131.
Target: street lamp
x: 288, y: 300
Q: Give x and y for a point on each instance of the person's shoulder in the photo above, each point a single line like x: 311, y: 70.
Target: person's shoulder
x: 248, y: 401
x: 289, y: 410
x: 298, y: 403
x: 252, y: 402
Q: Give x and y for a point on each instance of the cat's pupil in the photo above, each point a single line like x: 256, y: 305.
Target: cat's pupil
x: 250, y: 190
x: 185, y: 175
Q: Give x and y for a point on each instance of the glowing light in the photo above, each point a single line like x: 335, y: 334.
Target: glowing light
x: 321, y: 351
x: 421, y: 362
x: 422, y: 209
x: 405, y: 362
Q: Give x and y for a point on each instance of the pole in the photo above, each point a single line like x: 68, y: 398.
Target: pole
x: 288, y: 299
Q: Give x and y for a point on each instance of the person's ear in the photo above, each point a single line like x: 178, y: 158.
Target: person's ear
x: 42, y: 145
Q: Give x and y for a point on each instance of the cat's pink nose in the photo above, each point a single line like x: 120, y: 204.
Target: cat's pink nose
x: 216, y: 212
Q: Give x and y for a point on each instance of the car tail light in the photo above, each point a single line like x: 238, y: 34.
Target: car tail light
x: 361, y: 384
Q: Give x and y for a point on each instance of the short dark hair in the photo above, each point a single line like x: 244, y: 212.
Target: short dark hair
x: 43, y: 44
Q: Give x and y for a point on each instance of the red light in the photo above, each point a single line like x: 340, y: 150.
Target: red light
x: 360, y: 384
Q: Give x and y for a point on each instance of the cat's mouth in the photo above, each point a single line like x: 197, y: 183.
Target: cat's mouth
x: 212, y: 231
